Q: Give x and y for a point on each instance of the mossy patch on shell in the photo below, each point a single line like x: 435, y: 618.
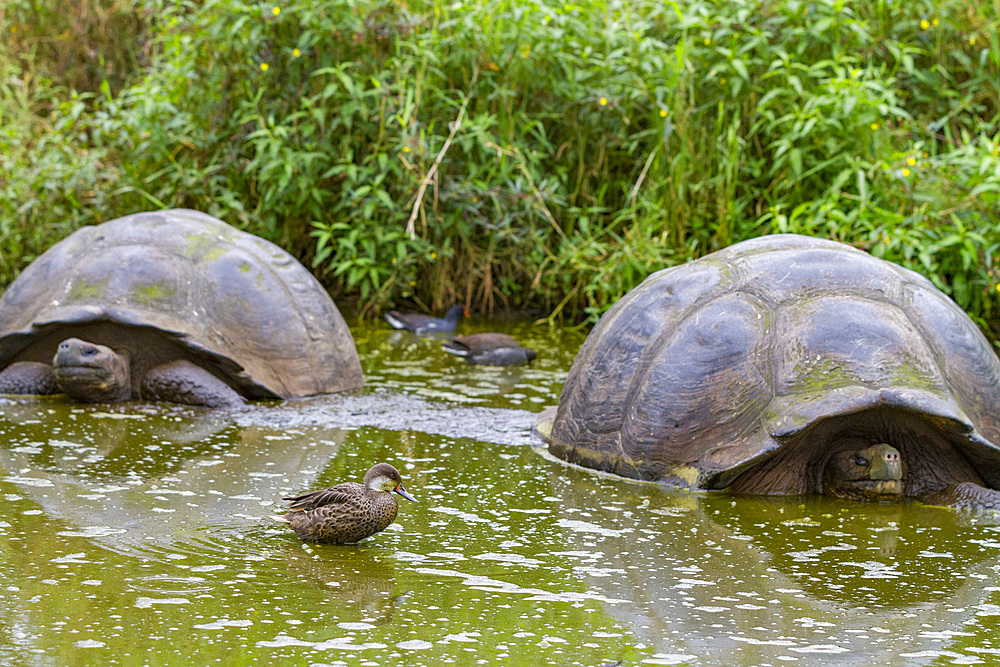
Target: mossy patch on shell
x: 149, y: 295
x: 203, y: 247
x: 82, y: 290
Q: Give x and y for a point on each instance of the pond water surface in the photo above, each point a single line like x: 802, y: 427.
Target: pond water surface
x: 143, y: 534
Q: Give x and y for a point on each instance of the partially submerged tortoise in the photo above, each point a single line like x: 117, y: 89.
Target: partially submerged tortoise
x: 788, y: 365
x: 172, y: 305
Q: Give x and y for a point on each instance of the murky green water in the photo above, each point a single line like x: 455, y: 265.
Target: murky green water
x: 142, y: 535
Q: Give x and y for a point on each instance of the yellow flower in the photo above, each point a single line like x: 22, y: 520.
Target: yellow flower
x: 874, y: 126
x: 406, y: 149
x: 708, y: 41
x: 434, y: 255
x: 925, y: 24
x: 972, y: 40
x: 911, y: 160
x: 296, y: 53
x: 393, y: 260
x: 663, y: 113
x: 906, y: 172
x: 413, y: 283
x: 264, y: 67
x: 935, y: 22
x: 276, y: 11
x: 603, y: 101
x: 998, y: 287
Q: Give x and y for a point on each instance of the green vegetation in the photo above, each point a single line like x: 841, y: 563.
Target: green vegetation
x: 513, y: 155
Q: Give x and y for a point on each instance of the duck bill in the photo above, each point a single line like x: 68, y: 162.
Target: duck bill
x: 401, y: 491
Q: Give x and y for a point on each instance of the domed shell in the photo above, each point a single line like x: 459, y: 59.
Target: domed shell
x: 706, y: 367
x: 235, y: 302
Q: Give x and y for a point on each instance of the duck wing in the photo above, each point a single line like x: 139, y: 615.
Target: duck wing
x: 479, y: 342
x: 456, y: 347
x: 334, y: 495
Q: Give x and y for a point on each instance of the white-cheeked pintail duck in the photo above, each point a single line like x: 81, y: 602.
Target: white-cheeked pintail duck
x: 348, y: 512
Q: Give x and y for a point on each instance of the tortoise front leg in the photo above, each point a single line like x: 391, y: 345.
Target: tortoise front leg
x: 965, y: 495
x: 28, y: 377
x: 184, y: 382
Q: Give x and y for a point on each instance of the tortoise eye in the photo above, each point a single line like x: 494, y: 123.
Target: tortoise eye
x: 860, y: 460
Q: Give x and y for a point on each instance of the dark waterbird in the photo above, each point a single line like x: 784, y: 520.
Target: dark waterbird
x: 420, y: 323
x: 348, y: 512
x: 489, y: 349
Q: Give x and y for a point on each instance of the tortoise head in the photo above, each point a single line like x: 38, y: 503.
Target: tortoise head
x: 871, y: 473
x: 91, y: 373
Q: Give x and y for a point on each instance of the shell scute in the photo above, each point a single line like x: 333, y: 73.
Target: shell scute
x: 717, y: 346
x: 602, y: 382
x: 836, y: 341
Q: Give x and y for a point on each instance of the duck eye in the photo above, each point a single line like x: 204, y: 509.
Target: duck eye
x: 860, y: 460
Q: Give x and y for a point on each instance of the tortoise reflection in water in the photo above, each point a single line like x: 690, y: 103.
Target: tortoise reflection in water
x: 788, y: 365
x: 348, y: 512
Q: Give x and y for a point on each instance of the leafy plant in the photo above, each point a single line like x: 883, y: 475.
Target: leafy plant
x: 528, y: 155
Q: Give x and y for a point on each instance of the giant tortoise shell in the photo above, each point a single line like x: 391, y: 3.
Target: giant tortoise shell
x: 751, y: 368
x: 183, y: 284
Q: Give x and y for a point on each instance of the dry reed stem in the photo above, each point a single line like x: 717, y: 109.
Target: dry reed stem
x: 410, y: 229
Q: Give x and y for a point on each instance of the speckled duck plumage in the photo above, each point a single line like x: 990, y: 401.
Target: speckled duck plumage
x: 348, y: 512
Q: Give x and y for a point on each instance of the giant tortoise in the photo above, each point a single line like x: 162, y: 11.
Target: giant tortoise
x: 172, y: 305
x: 788, y: 365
